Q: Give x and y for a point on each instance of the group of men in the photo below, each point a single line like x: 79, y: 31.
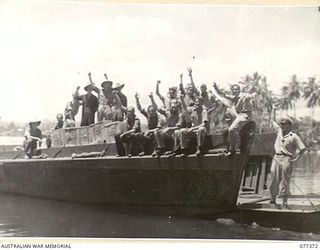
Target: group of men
x: 187, y: 115
x: 103, y: 103
x: 184, y: 119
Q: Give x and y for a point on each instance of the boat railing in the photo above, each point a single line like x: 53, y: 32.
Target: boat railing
x: 86, y: 135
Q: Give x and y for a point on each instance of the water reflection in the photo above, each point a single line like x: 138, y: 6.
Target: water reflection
x: 32, y: 217
x: 306, y: 173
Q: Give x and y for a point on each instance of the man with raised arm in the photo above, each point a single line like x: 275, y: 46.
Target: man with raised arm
x: 164, y: 137
x: 190, y: 92
x: 198, y: 117
x: 106, y: 100
x: 288, y: 149
x: 172, y: 95
x: 33, y: 136
x: 243, y: 106
x: 89, y: 104
x: 208, y: 98
x: 72, y: 109
x: 146, y: 140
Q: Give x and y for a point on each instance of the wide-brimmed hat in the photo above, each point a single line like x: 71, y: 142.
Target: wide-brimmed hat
x: 106, y: 84
x: 286, y: 119
x: 118, y: 86
x: 89, y: 85
x: 35, y: 121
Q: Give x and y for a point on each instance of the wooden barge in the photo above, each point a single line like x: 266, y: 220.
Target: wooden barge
x: 185, y: 186
x: 192, y: 185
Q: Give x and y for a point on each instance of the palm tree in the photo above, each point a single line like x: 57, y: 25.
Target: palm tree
x: 263, y: 102
x: 285, y: 100
x: 294, y: 92
x: 311, y: 93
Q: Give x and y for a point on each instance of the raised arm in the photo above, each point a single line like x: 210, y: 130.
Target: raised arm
x: 105, y: 75
x: 153, y: 103
x: 75, y: 95
x: 94, y: 87
x: 159, y: 95
x: 182, y: 91
x: 183, y: 104
x: 219, y: 91
x: 184, y: 108
x: 196, y: 91
x: 90, y: 78
x: 138, y: 102
x: 157, y: 89
x: 275, y: 126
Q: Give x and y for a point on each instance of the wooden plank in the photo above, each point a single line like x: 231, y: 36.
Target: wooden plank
x: 255, y: 176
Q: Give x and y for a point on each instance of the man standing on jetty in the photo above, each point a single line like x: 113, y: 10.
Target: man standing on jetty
x: 288, y: 149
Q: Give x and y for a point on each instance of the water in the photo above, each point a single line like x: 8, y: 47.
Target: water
x: 25, y: 216
x: 22, y: 216
x: 306, y: 174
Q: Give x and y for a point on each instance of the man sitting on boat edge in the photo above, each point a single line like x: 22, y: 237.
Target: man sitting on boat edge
x: 164, y: 137
x: 198, y: 117
x: 146, y: 140
x: 133, y: 130
x: 243, y: 106
x: 33, y: 136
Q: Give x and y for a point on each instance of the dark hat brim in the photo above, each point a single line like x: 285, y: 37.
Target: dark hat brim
x: 35, y: 122
x: 106, y: 83
x: 284, y: 120
x: 88, y: 86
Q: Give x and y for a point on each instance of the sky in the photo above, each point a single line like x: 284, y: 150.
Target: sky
x: 48, y: 48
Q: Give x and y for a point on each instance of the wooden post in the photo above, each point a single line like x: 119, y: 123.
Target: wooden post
x: 262, y: 173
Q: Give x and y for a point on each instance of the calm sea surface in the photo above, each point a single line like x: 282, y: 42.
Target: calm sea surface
x: 32, y: 217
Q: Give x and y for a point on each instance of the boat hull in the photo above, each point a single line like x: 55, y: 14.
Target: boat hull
x: 301, y: 218
x: 187, y: 186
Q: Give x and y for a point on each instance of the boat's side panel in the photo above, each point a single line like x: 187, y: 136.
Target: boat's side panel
x: 262, y: 145
x: 191, y: 185
x: 66, y: 151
